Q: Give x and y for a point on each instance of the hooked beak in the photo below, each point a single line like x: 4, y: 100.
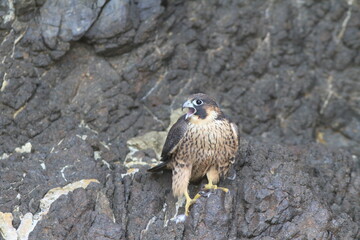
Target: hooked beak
x: 188, y: 104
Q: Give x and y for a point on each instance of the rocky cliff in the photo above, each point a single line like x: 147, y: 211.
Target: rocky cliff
x: 88, y: 88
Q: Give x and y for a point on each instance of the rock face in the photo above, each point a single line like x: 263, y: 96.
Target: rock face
x: 86, y: 93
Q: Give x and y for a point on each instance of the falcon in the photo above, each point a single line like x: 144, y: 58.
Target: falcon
x: 202, y: 142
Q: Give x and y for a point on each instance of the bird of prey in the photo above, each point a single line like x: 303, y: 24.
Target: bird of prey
x: 202, y: 142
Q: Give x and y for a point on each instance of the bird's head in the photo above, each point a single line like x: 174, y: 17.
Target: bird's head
x: 202, y: 108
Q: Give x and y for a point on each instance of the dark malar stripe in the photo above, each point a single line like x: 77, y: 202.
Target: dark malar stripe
x: 201, y: 112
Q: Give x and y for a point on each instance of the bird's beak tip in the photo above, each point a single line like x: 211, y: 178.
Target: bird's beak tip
x: 192, y: 110
x: 187, y: 104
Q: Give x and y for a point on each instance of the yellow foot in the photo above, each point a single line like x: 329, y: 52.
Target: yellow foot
x: 210, y: 186
x: 189, y: 202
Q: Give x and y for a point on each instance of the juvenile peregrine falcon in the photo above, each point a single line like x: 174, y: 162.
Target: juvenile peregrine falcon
x: 202, y: 142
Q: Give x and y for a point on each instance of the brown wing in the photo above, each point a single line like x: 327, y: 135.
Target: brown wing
x: 176, y: 133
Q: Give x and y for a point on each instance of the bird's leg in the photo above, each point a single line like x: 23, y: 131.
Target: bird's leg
x: 180, y: 182
x: 210, y: 186
x: 213, y: 176
x: 189, y: 201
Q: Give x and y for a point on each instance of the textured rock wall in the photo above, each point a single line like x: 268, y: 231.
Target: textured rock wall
x: 79, y: 79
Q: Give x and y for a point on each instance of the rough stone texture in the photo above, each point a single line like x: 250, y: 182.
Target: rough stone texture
x: 78, y: 79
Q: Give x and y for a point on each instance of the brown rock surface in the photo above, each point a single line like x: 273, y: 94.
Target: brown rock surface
x: 79, y: 79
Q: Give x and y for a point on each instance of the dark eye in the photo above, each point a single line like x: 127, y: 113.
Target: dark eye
x: 198, y: 102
